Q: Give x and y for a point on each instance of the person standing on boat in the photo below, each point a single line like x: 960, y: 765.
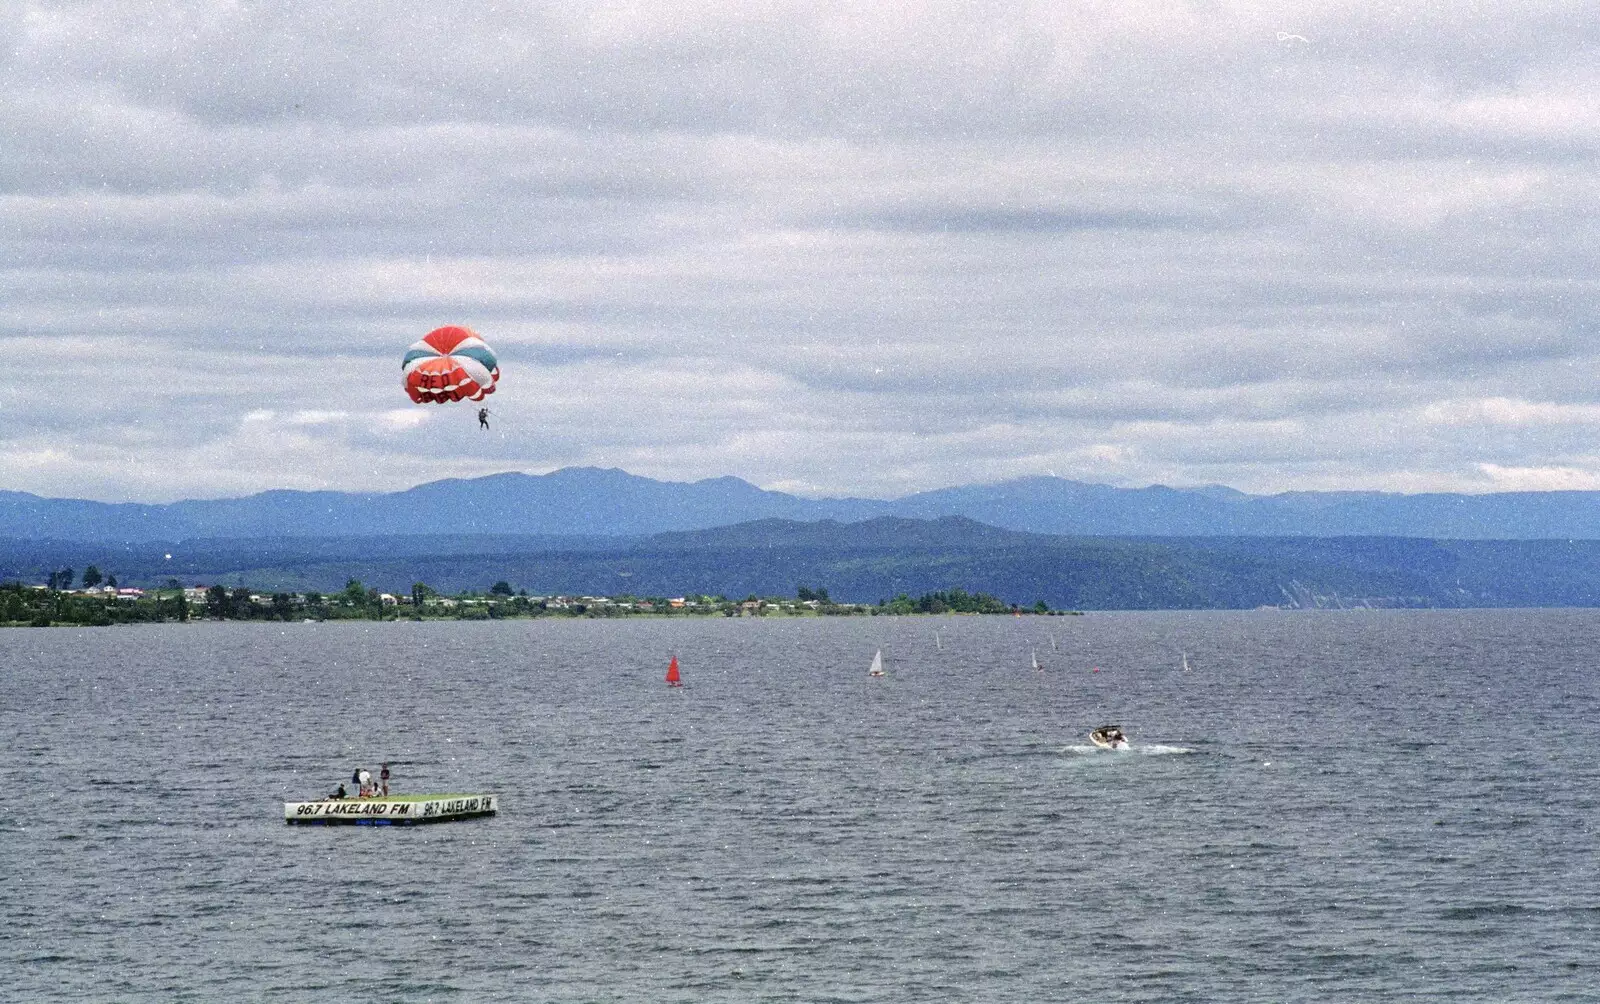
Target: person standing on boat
x: 365, y: 777
x: 383, y: 781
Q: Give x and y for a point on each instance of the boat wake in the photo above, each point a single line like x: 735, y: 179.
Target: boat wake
x: 1137, y: 749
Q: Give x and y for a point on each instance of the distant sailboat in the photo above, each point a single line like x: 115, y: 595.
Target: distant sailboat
x: 673, y: 679
x: 1053, y: 644
x: 1186, y: 662
x: 1037, y: 668
x: 937, y: 644
x: 877, y: 664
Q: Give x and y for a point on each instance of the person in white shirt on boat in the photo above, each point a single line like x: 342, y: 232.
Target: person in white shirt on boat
x: 364, y: 779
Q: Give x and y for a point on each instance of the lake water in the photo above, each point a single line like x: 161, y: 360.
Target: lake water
x: 1326, y: 807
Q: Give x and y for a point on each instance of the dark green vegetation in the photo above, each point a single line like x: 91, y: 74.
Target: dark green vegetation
x: 20, y: 604
x: 47, y: 606
x: 874, y: 560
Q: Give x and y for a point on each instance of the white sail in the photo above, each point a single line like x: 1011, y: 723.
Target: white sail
x: 877, y: 664
x: 1036, y: 667
x: 1186, y: 662
x: 937, y: 643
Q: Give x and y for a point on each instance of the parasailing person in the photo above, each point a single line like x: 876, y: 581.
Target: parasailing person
x: 451, y: 364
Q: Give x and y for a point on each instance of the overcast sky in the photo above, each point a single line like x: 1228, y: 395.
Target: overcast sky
x: 830, y: 248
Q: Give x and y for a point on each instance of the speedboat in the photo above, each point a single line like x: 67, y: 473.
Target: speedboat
x: 1109, y: 737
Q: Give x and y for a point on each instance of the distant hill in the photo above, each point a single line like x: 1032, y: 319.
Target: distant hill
x: 583, y: 501
x: 877, y: 559
x: 572, y: 501
x: 1056, y: 505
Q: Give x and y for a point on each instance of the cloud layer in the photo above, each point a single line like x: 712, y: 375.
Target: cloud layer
x: 834, y: 248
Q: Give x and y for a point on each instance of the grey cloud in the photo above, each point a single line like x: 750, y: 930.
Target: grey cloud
x: 969, y: 219
x: 859, y: 248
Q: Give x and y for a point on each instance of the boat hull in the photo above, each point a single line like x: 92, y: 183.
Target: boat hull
x: 405, y: 810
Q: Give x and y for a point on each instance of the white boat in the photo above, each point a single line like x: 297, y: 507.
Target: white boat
x: 1109, y: 737
x: 937, y: 644
x: 877, y: 664
x: 1186, y: 662
x: 1037, y: 668
x: 390, y: 810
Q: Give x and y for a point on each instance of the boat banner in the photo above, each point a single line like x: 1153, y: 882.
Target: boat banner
x: 355, y: 810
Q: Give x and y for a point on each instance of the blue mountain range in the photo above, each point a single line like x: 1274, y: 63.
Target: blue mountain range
x: 583, y: 501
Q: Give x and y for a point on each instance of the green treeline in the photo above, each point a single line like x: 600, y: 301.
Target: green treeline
x: 953, y: 601
x: 43, y: 606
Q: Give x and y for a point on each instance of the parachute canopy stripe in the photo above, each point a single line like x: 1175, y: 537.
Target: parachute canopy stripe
x: 449, y: 364
x: 480, y: 352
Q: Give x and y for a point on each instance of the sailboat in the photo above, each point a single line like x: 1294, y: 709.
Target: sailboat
x: 673, y: 679
x: 1053, y: 644
x: 877, y: 664
x: 937, y: 643
x: 1186, y: 662
x: 1037, y: 668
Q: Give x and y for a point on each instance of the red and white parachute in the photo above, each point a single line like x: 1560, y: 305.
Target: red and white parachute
x: 450, y: 364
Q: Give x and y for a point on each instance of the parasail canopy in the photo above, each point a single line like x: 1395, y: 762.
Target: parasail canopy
x: 450, y: 364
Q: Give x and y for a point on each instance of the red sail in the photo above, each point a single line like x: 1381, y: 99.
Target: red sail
x: 673, y: 680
